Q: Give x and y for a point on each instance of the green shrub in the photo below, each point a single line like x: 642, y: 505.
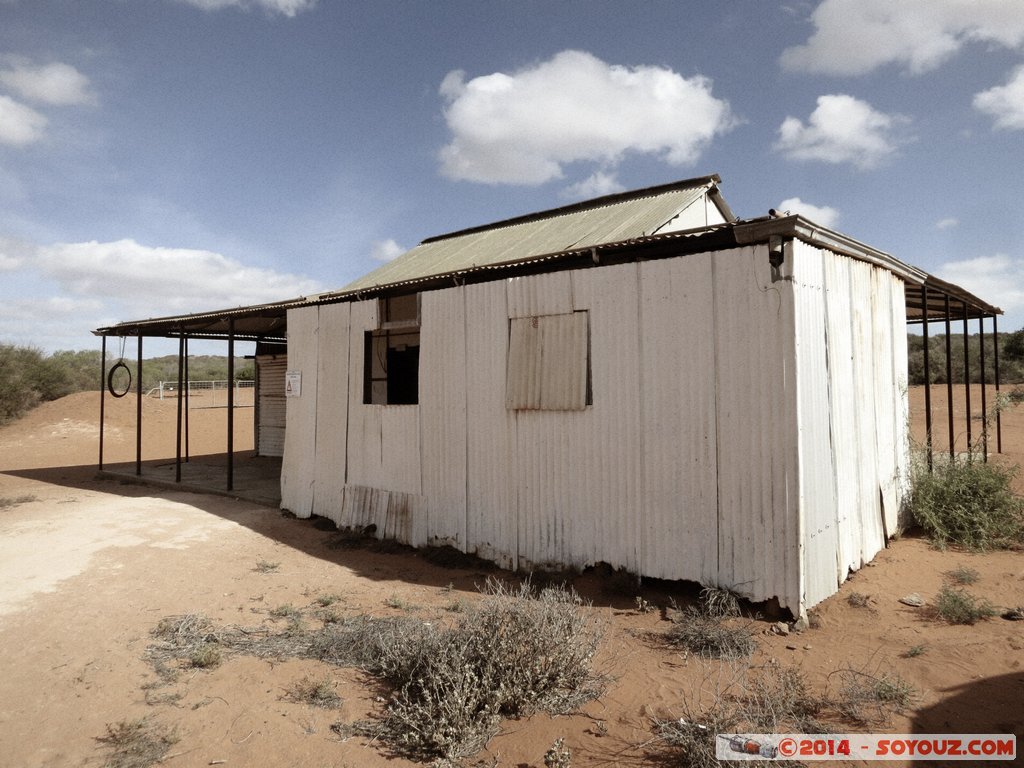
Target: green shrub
x: 957, y: 606
x: 970, y: 503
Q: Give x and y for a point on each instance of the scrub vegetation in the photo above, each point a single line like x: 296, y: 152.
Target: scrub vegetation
x: 515, y: 652
x: 969, y: 503
x: 29, y: 376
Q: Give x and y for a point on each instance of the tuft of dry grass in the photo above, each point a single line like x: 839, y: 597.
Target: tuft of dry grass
x: 7, y: 502
x: 137, y: 743
x: 708, y: 630
x: 957, y: 606
x: 315, y: 693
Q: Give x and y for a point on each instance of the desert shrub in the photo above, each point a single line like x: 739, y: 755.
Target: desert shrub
x: 315, y: 693
x: 872, y: 698
x: 137, y: 743
x: 963, y: 575
x: 970, y: 503
x: 736, y: 699
x: 705, y: 631
x: 513, y: 653
x: 957, y: 606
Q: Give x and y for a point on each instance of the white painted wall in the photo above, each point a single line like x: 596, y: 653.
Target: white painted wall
x: 742, y: 432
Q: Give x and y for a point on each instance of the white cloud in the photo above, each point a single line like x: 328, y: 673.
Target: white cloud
x: 287, y: 8
x: 819, y: 214
x: 947, y: 223
x: 56, y: 83
x: 1005, y: 102
x: 841, y: 129
x: 998, y: 279
x: 522, y: 128
x: 854, y: 37
x: 386, y: 250
x: 596, y: 184
x: 153, y: 281
x: 19, y: 125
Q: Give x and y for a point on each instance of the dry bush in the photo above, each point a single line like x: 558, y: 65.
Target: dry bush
x: 705, y: 630
x: 957, y: 606
x: 315, y: 693
x: 137, y: 743
x: 514, y: 652
x: 735, y: 697
x: 871, y: 698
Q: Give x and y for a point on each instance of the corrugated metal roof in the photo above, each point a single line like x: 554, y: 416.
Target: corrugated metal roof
x: 610, y: 219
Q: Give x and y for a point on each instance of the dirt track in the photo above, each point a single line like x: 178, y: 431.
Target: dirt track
x: 88, y: 568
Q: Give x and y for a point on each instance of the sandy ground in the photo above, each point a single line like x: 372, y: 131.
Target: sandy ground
x: 89, y: 567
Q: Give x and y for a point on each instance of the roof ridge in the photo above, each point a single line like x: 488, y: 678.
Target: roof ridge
x: 583, y: 205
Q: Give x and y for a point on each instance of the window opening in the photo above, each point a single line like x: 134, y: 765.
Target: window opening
x: 392, y: 353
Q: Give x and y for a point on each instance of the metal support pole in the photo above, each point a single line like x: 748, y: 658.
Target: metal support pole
x: 927, y: 377
x: 188, y: 398
x: 999, y: 414
x: 138, y: 411
x: 984, y: 396
x: 177, y: 453
x: 949, y: 380
x: 103, y: 394
x: 231, y: 404
x: 967, y: 380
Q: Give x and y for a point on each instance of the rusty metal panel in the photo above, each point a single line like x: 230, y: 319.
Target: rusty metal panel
x: 548, y: 294
x: 758, y: 549
x: 297, y: 465
x: 547, y: 363
x: 677, y: 374
x: 577, y: 229
x: 491, y: 488
x: 443, y: 416
x: 332, y: 410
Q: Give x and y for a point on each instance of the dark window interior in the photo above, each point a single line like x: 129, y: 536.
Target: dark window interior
x: 392, y: 354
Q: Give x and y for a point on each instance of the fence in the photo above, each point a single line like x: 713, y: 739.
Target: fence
x: 208, y: 394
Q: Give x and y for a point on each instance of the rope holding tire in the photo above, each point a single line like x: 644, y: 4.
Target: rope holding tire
x: 110, y: 379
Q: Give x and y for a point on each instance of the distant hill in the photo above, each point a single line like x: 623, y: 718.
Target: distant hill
x: 29, y: 377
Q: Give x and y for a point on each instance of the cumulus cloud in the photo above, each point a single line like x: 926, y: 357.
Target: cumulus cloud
x: 386, y: 250
x: 56, y: 83
x: 19, y: 124
x: 841, y: 129
x: 854, y: 37
x: 153, y: 281
x: 524, y: 127
x: 1005, y: 102
x: 997, y: 279
x: 287, y: 8
x: 597, y: 184
x: 948, y: 223
x: 819, y: 214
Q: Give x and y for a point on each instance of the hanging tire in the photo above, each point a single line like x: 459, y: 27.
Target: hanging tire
x: 110, y: 379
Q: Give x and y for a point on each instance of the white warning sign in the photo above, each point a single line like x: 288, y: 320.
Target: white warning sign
x: 292, y: 383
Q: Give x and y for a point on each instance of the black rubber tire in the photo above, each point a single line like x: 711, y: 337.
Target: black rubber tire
x: 110, y: 379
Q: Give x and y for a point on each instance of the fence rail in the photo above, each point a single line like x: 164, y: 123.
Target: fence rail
x: 208, y: 394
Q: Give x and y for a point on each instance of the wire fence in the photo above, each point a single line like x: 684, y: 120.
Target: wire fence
x: 208, y: 394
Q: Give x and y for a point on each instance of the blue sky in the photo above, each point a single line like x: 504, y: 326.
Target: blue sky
x: 169, y: 156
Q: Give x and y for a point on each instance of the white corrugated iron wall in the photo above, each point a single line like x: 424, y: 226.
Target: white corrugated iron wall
x: 443, y: 380
x: 710, y: 384
x: 819, y: 515
x: 332, y: 404
x: 270, y: 410
x: 863, y: 401
x: 758, y: 484
x: 679, y: 430
x: 298, y: 463
x: 492, y: 493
